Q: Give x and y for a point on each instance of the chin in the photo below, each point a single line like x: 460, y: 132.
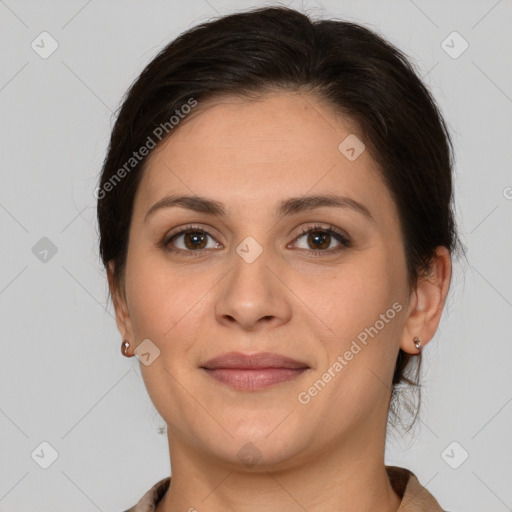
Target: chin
x: 260, y: 446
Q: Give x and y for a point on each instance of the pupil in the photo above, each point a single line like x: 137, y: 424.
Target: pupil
x: 196, y: 237
x: 315, y: 235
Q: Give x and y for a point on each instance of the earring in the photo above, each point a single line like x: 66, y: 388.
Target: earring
x: 124, y: 348
x: 417, y: 343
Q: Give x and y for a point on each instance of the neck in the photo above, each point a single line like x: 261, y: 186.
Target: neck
x: 351, y: 478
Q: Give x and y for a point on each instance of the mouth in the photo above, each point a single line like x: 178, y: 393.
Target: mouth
x: 253, y: 372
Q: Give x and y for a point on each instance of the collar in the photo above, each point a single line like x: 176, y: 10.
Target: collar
x: 415, y: 497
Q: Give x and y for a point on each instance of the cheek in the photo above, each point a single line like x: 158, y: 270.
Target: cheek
x: 167, y: 302
x: 363, y: 306
x: 361, y: 287
x: 157, y: 297
x: 365, y: 316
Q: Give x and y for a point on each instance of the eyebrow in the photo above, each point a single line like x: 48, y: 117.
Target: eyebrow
x: 289, y: 206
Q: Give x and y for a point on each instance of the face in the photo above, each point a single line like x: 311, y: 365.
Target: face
x: 322, y: 284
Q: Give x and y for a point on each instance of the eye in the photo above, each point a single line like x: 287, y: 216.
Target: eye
x: 190, y: 240
x: 193, y: 241
x: 319, y: 239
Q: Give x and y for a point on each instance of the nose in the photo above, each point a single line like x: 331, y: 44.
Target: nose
x: 252, y: 295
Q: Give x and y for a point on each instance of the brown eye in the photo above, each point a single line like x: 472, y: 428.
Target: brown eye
x: 194, y: 240
x: 189, y: 241
x: 319, y: 239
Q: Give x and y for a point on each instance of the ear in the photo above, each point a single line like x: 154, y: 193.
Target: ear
x: 427, y: 302
x: 123, y: 320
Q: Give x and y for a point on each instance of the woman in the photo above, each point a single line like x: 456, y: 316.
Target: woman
x: 276, y: 222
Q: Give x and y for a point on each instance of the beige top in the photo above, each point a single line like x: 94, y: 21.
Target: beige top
x: 415, y: 498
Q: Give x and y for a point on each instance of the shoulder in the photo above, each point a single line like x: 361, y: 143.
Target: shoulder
x: 150, y: 499
x: 415, y: 497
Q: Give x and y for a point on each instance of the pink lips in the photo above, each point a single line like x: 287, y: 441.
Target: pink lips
x: 254, y: 371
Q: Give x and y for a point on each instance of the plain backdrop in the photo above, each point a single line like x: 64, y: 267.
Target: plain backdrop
x: 63, y: 380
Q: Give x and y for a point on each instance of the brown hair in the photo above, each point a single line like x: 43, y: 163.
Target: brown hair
x: 357, y: 72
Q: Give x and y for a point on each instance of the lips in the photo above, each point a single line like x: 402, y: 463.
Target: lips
x: 253, y: 372
x: 253, y: 361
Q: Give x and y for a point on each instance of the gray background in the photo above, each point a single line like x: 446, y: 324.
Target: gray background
x: 62, y: 378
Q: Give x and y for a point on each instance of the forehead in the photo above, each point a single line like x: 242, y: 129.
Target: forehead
x: 249, y: 151
x: 275, y: 127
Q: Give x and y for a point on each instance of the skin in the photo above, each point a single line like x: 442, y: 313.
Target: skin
x: 327, y: 454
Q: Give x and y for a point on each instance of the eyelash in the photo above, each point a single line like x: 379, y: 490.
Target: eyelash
x: 345, y: 242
